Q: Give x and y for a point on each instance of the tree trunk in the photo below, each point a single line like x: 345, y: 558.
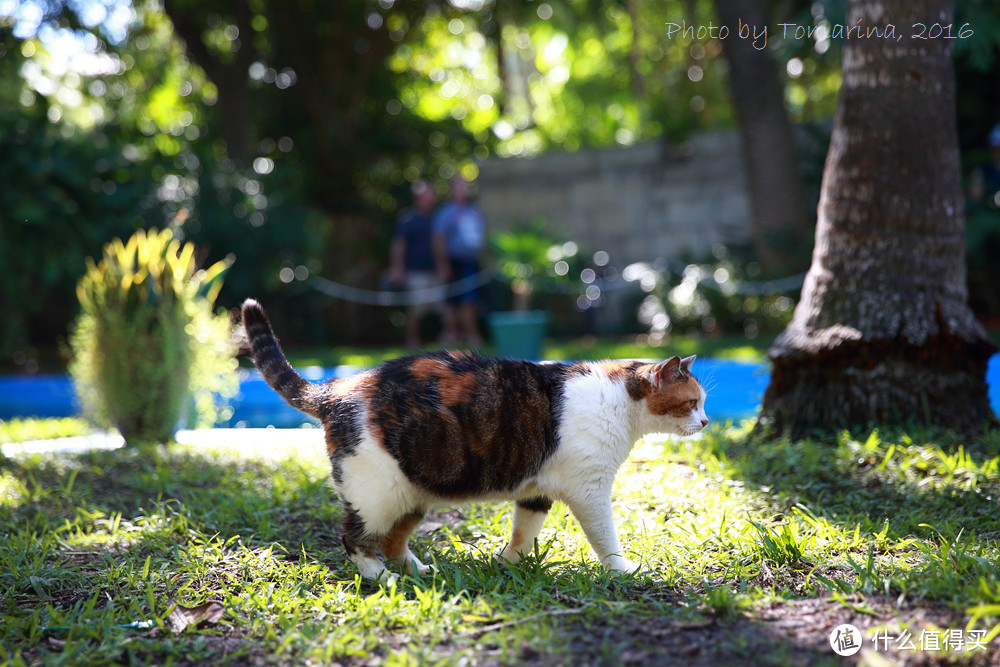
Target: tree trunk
x: 883, y: 332
x: 229, y: 75
x: 779, y: 217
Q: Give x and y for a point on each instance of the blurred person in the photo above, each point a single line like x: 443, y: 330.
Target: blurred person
x: 459, y: 238
x: 413, y: 265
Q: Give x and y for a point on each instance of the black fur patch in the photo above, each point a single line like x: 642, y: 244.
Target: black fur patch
x: 539, y: 504
x: 492, y: 441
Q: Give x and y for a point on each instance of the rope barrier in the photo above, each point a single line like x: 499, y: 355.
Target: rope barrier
x: 438, y: 293
x: 741, y: 287
x: 760, y: 288
x: 417, y: 297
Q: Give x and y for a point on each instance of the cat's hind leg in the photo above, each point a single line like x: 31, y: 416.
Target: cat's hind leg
x: 529, y: 515
x: 380, y: 504
x: 360, y: 545
x: 395, y: 547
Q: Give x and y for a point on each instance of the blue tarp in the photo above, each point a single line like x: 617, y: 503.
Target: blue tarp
x: 734, y: 389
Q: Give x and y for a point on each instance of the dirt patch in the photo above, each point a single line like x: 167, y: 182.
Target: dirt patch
x: 795, y: 632
x: 438, y: 519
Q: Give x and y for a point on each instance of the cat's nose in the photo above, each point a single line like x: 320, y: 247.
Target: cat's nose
x: 704, y: 422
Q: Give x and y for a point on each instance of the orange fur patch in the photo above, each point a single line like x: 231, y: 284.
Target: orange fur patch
x: 393, y: 545
x: 516, y: 539
x: 428, y: 368
x: 615, y: 370
x: 361, y: 383
x: 479, y: 446
x: 673, y: 399
x: 456, y: 388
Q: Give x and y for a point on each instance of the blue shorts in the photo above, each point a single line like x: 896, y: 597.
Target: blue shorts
x: 461, y: 269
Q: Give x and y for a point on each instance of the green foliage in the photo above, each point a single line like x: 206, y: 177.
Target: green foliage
x: 64, y: 195
x: 521, y: 253
x: 982, y: 225
x: 528, y: 256
x: 136, y: 151
x: 522, y: 79
x: 982, y: 19
x: 723, y: 601
x: 147, y: 342
x: 723, y: 295
x: 782, y: 546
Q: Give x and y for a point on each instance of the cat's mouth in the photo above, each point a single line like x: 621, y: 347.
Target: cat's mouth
x: 691, y: 429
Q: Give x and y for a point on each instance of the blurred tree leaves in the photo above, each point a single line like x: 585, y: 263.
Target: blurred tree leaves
x: 63, y: 194
x: 289, y: 132
x: 285, y: 130
x: 87, y: 158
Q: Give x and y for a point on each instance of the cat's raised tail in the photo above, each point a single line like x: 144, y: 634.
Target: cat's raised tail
x: 271, y: 361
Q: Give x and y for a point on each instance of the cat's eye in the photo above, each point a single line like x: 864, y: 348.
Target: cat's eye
x: 693, y: 403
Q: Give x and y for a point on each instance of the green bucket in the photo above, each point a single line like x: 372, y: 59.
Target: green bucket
x: 519, y: 335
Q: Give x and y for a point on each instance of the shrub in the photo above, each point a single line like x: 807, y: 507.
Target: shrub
x: 529, y: 256
x: 147, y: 348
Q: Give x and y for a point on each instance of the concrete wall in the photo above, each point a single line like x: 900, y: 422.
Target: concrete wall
x: 637, y: 203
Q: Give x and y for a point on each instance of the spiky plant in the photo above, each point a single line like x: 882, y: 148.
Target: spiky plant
x: 148, y: 349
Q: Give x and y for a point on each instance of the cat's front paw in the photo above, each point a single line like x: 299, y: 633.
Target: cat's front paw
x: 410, y: 564
x: 419, y: 568
x: 509, y: 556
x: 619, y: 563
x: 385, y: 578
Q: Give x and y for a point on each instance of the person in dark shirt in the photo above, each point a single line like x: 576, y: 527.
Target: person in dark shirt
x: 412, y: 259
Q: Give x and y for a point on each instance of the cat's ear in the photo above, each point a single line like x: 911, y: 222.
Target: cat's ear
x: 686, y: 363
x: 665, y: 372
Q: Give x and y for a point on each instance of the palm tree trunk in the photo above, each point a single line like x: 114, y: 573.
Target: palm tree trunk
x: 883, y: 332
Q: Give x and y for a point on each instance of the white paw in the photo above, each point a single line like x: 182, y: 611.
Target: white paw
x: 418, y: 567
x: 510, y: 556
x: 410, y: 564
x: 619, y: 563
x: 372, y: 570
x: 386, y: 578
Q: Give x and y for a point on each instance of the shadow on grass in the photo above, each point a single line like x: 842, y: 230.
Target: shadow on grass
x: 96, y: 541
x: 262, y: 501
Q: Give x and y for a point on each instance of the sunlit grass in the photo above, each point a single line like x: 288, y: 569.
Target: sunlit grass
x: 724, y: 526
x: 23, y: 429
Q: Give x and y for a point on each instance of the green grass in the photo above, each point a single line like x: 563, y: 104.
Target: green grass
x: 739, y: 538
x: 577, y: 349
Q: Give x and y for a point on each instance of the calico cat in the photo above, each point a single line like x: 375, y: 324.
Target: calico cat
x: 446, y: 428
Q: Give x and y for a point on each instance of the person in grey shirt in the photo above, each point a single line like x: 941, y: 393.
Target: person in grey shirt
x: 459, y: 239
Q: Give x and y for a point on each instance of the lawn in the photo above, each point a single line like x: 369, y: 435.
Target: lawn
x: 753, y: 550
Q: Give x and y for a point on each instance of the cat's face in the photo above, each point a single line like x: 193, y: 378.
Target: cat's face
x: 674, y: 399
